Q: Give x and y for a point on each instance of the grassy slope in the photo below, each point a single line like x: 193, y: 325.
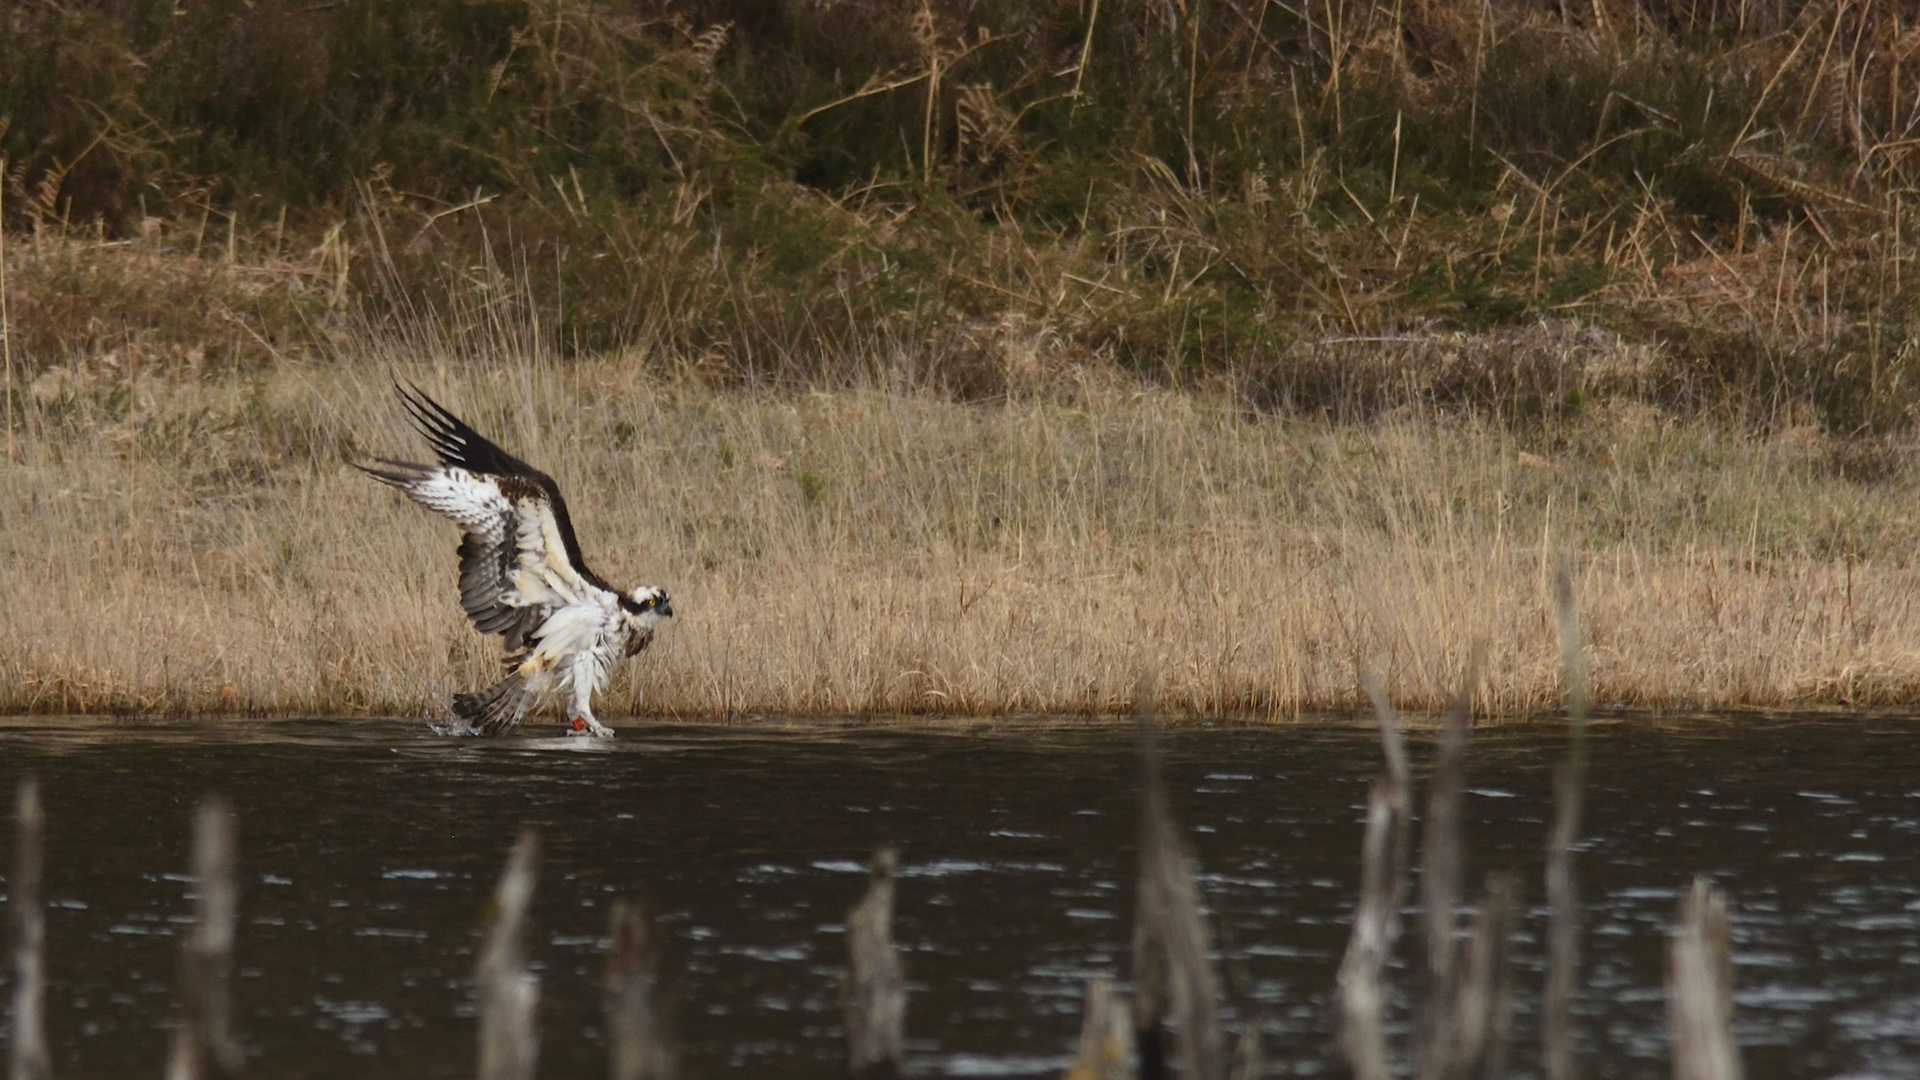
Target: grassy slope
x: 1205, y: 191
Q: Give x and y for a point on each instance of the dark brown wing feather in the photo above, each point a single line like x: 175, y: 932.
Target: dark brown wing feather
x: 484, y: 566
x: 459, y: 445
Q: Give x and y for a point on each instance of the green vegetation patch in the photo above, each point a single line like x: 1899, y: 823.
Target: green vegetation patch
x: 960, y: 192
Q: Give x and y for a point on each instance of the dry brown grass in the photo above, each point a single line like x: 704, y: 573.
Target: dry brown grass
x: 199, y: 545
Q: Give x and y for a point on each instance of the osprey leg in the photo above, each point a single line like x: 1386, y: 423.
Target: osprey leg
x: 580, y: 721
x: 587, y: 673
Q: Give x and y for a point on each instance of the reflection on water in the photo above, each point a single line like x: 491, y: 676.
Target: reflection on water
x: 368, y: 849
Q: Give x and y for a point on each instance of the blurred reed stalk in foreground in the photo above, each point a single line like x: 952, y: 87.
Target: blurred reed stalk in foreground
x: 1174, y: 983
x: 203, y: 1046
x: 1360, y: 985
x: 1700, y: 988
x: 1442, y: 854
x: 876, y: 992
x: 1105, y: 1050
x: 1463, y: 1007
x: 1563, y: 890
x: 509, y: 992
x: 1464, y: 1010
x: 636, y: 1037
x: 27, y: 1056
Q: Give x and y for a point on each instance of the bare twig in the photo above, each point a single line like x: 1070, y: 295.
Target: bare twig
x: 203, y: 1045
x: 637, y: 1044
x: 1761, y: 101
x: 874, y: 85
x: 1086, y: 54
x: 1700, y: 989
x: 509, y: 993
x: 27, y: 1041
x: 433, y: 219
x: 876, y: 985
x: 881, y: 84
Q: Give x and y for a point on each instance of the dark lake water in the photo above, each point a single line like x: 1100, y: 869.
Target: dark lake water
x: 368, y: 849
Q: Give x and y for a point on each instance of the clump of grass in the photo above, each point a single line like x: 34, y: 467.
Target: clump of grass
x: 79, y: 301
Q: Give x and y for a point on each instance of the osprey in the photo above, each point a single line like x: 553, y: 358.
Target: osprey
x: 521, y: 576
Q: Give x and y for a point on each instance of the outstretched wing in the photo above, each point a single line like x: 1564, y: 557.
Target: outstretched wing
x: 519, y: 560
x: 460, y: 446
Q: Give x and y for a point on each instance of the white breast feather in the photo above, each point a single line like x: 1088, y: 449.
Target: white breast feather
x: 567, y: 639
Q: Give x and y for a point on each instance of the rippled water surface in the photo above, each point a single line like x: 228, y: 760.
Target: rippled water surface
x: 368, y: 849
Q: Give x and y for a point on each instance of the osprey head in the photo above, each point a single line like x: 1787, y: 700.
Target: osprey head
x: 647, y: 605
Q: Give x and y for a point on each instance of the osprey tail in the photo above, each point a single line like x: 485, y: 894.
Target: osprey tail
x: 497, y: 709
